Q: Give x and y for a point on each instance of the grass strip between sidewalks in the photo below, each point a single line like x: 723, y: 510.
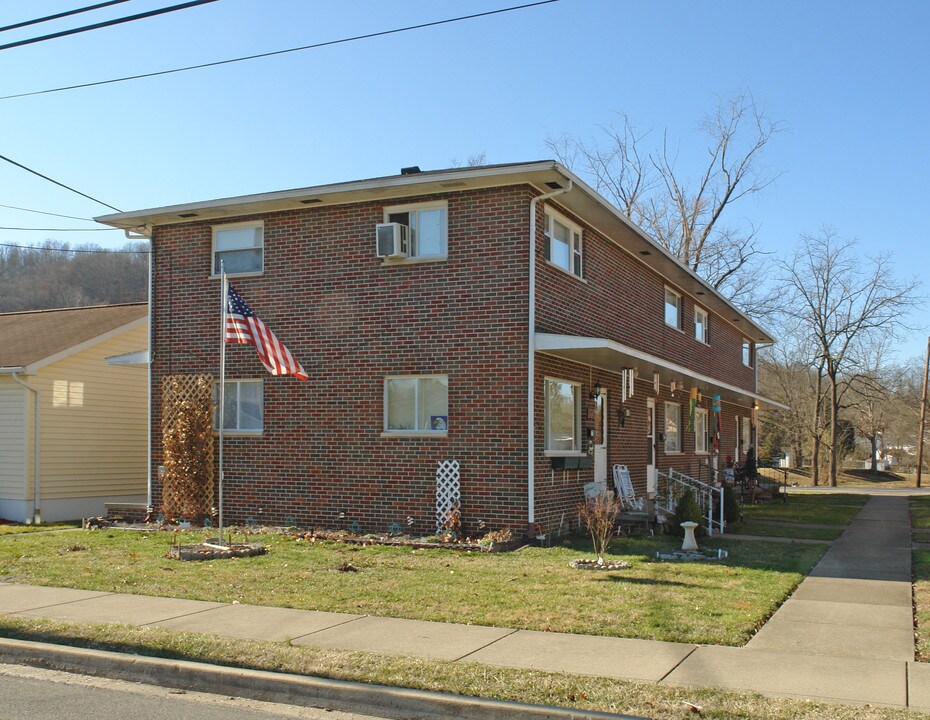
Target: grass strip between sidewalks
x: 576, y: 691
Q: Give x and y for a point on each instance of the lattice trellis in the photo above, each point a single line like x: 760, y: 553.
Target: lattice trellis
x: 187, y: 439
x: 448, y: 493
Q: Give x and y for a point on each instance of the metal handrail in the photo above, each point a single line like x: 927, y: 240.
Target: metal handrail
x: 676, y: 483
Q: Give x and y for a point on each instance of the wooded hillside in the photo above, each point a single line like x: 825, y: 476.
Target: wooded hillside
x: 57, y: 275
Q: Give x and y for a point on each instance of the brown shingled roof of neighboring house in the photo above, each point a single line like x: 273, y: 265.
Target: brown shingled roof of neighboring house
x: 27, y: 337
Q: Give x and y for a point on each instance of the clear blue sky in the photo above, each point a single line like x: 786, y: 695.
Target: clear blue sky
x: 850, y: 81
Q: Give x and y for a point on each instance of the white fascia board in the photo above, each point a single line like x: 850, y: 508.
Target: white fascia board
x: 565, y: 346
x: 33, y: 368
x: 373, y: 186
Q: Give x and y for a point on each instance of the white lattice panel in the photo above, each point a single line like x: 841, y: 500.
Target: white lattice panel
x: 448, y: 491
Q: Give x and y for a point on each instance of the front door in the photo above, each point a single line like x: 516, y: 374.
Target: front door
x: 600, y: 438
x: 652, y: 479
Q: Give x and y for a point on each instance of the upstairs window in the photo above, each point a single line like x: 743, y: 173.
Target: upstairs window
x: 239, y: 247
x: 563, y: 243
x: 428, y: 227
x: 749, y: 352
x: 672, y: 309
x: 701, y: 326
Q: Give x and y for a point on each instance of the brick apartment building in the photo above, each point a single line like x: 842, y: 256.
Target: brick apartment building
x: 463, y: 345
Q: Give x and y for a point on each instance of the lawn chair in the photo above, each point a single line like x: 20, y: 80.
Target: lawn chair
x: 625, y: 492
x: 633, y: 516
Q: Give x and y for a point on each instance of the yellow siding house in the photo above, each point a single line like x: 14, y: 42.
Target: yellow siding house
x: 73, y: 427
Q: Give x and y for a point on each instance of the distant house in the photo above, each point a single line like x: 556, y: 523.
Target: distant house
x: 506, y: 317
x: 72, y: 426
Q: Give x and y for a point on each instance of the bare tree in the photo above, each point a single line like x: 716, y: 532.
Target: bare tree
x: 689, y: 215
x: 847, y: 303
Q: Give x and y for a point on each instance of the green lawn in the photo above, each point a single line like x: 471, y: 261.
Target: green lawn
x: 826, y: 509
x: 921, y: 571
x: 712, y: 603
x: 785, y: 531
x: 920, y: 511
x: 15, y: 528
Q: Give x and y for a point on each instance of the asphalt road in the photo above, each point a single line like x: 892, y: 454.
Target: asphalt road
x: 33, y: 694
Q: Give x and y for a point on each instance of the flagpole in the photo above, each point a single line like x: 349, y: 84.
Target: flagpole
x: 222, y: 409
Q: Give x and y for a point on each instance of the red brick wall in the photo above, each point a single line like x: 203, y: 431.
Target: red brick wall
x: 351, y: 321
x: 623, y: 300
x: 560, y: 491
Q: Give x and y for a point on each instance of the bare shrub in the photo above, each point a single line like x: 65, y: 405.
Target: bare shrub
x: 600, y: 515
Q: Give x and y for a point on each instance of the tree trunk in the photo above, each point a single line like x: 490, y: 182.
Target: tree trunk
x: 834, y: 429
x: 874, y: 441
x: 818, y: 409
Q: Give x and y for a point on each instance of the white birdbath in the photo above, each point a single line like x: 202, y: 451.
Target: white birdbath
x: 690, y: 543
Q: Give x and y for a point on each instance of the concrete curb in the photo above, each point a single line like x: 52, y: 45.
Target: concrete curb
x: 281, y: 687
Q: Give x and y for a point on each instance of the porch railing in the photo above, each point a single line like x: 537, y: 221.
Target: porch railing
x: 673, y: 484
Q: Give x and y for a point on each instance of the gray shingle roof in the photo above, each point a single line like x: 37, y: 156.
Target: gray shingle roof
x: 27, y: 337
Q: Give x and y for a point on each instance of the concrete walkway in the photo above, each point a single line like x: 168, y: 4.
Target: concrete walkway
x: 846, y: 635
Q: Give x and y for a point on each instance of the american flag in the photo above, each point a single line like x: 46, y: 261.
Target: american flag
x: 243, y: 327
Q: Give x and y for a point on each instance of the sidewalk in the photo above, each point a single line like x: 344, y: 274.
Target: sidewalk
x: 846, y: 635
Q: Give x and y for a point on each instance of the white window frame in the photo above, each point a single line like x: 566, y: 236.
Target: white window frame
x: 672, y: 448
x: 576, y: 247
x: 414, y: 256
x: 700, y: 431
x: 216, y: 409
x: 748, y: 351
x: 214, y: 271
x: 702, y: 336
x: 577, y: 440
x: 679, y: 308
x: 415, y: 431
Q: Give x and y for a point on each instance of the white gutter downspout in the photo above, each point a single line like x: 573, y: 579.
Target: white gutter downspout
x: 37, y: 498
x: 148, y: 397
x: 531, y: 363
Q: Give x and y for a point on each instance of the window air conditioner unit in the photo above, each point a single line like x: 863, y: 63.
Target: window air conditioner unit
x: 391, y: 239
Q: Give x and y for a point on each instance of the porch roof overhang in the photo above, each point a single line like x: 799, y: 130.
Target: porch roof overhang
x: 613, y: 356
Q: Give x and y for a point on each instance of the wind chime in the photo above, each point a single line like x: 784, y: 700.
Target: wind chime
x: 627, y: 383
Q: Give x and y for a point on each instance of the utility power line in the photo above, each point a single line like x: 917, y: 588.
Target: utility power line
x: 59, y: 184
x: 106, y: 23
x: 60, y: 229
x: 56, y: 16
x: 43, y: 212
x: 367, y: 36
x: 74, y: 250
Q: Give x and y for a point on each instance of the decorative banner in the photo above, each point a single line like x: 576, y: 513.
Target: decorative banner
x: 716, y: 408
x: 655, y: 382
x: 716, y: 399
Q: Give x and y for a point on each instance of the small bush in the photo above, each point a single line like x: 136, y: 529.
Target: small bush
x: 687, y: 510
x: 732, y: 511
